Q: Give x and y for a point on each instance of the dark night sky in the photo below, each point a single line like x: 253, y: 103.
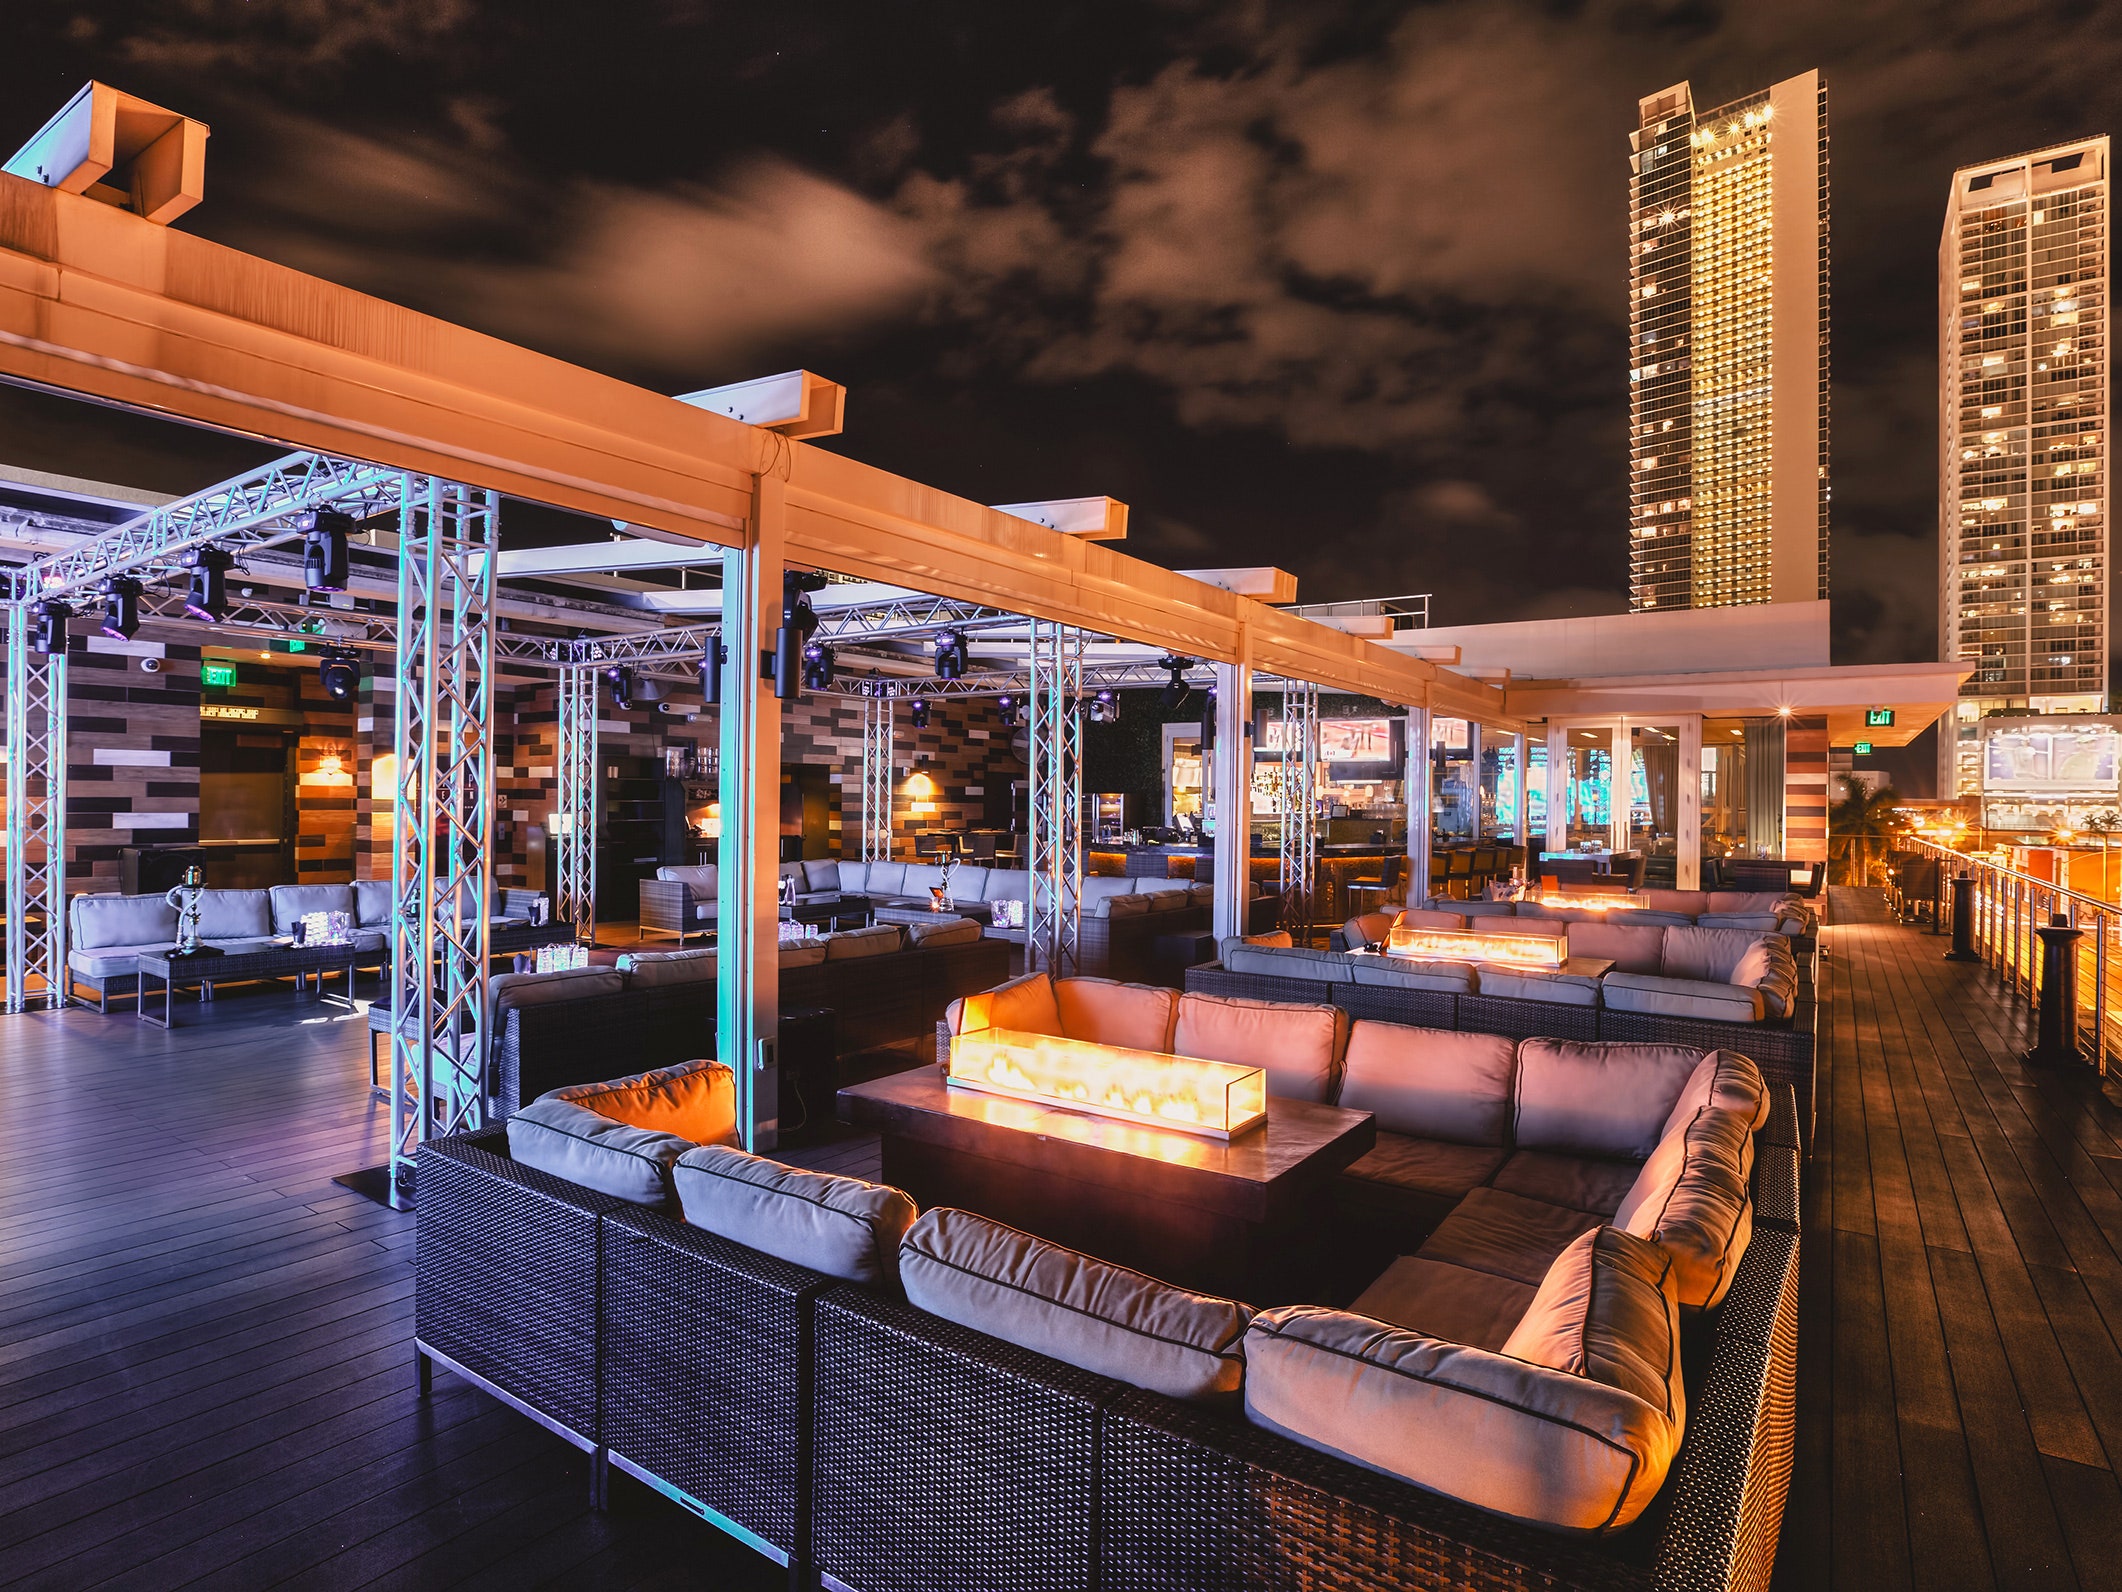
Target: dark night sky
x: 1336, y: 287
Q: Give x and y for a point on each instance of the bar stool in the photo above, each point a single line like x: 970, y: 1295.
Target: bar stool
x: 1368, y: 895
x: 1460, y: 875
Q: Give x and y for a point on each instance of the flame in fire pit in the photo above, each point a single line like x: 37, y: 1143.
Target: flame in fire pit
x: 1476, y: 945
x: 1214, y: 1098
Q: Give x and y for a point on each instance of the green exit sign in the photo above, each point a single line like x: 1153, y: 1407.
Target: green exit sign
x: 1878, y: 718
x: 1864, y: 748
x: 217, y: 674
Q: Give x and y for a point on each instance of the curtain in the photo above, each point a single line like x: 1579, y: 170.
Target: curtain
x: 1764, y: 787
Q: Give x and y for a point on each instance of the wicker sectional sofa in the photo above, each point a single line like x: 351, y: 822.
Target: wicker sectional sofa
x: 892, y: 1401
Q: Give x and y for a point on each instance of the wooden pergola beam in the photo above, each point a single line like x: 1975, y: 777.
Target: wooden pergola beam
x: 98, y: 302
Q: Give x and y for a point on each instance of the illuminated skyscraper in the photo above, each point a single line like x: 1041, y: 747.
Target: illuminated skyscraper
x: 2022, y: 441
x: 1728, y: 349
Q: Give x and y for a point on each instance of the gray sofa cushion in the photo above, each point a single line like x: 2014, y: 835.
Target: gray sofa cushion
x: 1287, y: 961
x: 943, y: 928
x: 1007, y: 884
x: 372, y: 903
x: 235, y: 915
x: 699, y: 878
x: 1431, y: 1082
x: 1711, y: 955
x: 1608, y: 1099
x: 113, y: 961
x: 879, y: 939
x: 1088, y: 1313
x: 1562, y: 989
x: 885, y: 879
x: 1455, y: 1303
x: 650, y: 969
x: 1400, y: 972
x: 508, y: 991
x: 841, y: 1226
x: 1683, y: 997
x: 586, y: 1147
x: 291, y: 902
x: 102, y: 922
x: 821, y: 874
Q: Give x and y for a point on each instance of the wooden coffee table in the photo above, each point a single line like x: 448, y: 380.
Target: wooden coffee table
x: 1241, y: 1218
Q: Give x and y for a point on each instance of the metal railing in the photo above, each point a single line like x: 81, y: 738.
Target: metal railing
x: 2008, y: 907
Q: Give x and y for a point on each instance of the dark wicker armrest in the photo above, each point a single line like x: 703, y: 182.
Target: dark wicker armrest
x: 1782, y: 1124
x: 506, y: 1275
x: 707, y: 1369
x: 1201, y: 1499
x: 943, y: 1458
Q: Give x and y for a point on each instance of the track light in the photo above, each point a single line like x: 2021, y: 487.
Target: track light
x: 919, y: 713
x: 1006, y: 710
x: 50, y: 618
x: 207, y: 597
x: 817, y: 667
x: 951, y: 656
x: 340, y: 671
x: 1208, y: 723
x: 798, y: 622
x: 121, y: 607
x: 1176, y: 689
x: 711, y: 663
x: 325, y: 562
x: 621, y: 680
x: 1105, y: 707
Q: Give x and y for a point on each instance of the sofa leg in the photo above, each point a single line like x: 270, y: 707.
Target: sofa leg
x: 424, y: 1368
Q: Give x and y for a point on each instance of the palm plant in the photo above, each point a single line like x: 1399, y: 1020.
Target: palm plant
x: 1865, y: 826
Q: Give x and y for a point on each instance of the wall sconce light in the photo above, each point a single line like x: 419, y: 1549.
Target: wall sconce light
x: 331, y: 765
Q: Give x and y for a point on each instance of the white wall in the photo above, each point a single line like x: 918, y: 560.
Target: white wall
x: 1676, y: 641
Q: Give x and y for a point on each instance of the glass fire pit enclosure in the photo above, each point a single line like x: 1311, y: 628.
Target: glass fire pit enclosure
x: 1215, y: 1099
x: 1477, y: 945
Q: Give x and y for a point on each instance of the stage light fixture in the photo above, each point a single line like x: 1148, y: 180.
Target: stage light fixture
x: 326, y: 563
x: 621, y: 680
x: 817, y: 667
x: 207, y: 597
x: 1105, y: 707
x: 1176, y: 689
x: 711, y: 663
x: 50, y: 618
x: 121, y: 607
x: 951, y: 655
x: 1006, y: 711
x: 799, y: 621
x: 1208, y: 723
x: 340, y: 672
x: 919, y: 713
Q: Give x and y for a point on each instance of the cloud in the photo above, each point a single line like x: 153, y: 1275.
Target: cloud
x: 276, y: 38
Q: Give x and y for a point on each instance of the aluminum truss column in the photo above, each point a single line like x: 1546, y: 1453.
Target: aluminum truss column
x: 1231, y: 769
x: 1420, y: 802
x: 747, y: 904
x: 36, y: 820
x: 1299, y: 786
x: 449, y: 540
x: 575, y: 807
x: 877, y: 730
x: 1687, y: 837
x: 1055, y: 712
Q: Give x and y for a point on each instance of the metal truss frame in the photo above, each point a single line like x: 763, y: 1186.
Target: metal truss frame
x: 242, y: 514
x: 1054, y: 710
x: 36, y: 820
x: 575, y: 789
x: 441, y: 931
x: 360, y: 628
x: 877, y: 779
x: 1299, y: 848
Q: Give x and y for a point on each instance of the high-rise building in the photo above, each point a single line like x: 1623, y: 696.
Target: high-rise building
x: 2023, y: 588
x: 1728, y: 348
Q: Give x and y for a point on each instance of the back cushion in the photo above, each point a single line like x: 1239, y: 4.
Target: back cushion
x: 1104, y: 1011
x: 508, y: 991
x: 879, y: 939
x: 942, y: 929
x: 1431, y: 1083
x: 652, y: 969
x: 1551, y: 1447
x: 823, y: 873
x: 100, y: 920
x: 696, y: 1101
x: 1428, y: 918
x: 372, y: 903
x: 1597, y: 1099
x: 1747, y: 900
x: 292, y: 901
x: 1007, y: 884
x: 1726, y: 1080
x: 1691, y: 902
x: 1300, y: 1048
x: 1691, y: 1199
x: 586, y: 1147
x: 921, y: 877
x: 1367, y: 928
x: 886, y: 878
x: 1024, y: 1005
x: 1607, y: 1310
x: 801, y: 955
x: 1098, y: 1317
x: 1103, y: 887
x: 1707, y: 954
x: 235, y: 914
x: 1633, y: 947
x: 842, y: 1226
x: 696, y: 877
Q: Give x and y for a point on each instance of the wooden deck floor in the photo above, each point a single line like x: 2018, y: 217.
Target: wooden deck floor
x: 205, y: 1376
x: 1960, y: 1382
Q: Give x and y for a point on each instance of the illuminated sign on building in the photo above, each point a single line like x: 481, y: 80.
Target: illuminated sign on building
x: 217, y: 674
x: 222, y: 710
x: 1878, y: 718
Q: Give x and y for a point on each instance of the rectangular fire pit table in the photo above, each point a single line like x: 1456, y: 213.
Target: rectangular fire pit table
x: 280, y: 961
x: 1245, y: 1218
